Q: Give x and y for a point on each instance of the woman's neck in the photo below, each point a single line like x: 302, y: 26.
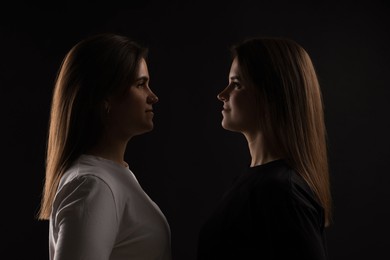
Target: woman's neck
x: 260, y: 153
x: 110, y: 149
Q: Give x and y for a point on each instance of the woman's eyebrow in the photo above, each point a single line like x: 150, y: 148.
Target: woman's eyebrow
x: 235, y: 78
x: 142, y: 78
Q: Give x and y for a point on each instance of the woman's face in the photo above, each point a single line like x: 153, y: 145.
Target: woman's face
x: 132, y: 113
x: 240, y: 108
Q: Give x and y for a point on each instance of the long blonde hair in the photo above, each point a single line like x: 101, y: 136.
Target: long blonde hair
x: 95, y: 68
x: 291, y: 107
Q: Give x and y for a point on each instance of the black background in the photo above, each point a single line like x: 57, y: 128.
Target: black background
x: 188, y: 160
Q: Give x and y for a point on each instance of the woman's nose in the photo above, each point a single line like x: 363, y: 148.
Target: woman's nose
x: 222, y: 96
x: 152, y: 98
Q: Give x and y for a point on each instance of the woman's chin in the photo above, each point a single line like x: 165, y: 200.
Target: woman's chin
x: 227, y: 126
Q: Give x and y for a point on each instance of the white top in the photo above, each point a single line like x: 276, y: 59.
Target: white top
x: 100, y: 212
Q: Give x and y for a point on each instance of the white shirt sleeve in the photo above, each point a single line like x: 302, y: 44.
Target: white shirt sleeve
x: 86, y: 220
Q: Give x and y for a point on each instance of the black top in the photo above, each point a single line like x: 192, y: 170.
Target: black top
x: 269, y: 213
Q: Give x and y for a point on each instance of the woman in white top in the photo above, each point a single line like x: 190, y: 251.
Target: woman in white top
x: 96, y: 207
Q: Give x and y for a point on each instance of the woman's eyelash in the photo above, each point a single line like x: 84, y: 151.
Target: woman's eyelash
x: 236, y: 84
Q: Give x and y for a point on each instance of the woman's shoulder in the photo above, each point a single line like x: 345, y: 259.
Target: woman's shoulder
x: 272, y: 175
x: 279, y: 180
x: 90, y: 167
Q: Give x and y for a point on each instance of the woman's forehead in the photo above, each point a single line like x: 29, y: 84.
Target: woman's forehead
x: 234, y: 70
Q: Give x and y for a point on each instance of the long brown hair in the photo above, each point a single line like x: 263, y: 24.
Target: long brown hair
x: 291, y: 106
x: 95, y: 68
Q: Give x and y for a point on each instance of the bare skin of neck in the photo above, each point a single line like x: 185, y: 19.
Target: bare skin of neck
x: 258, y: 150
x: 110, y: 148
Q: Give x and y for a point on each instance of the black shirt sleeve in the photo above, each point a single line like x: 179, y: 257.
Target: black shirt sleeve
x: 292, y: 222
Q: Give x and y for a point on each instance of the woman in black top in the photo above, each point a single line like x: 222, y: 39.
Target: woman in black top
x: 279, y: 206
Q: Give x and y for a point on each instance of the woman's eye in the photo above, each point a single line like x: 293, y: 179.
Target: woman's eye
x: 237, y: 85
x: 141, y: 85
